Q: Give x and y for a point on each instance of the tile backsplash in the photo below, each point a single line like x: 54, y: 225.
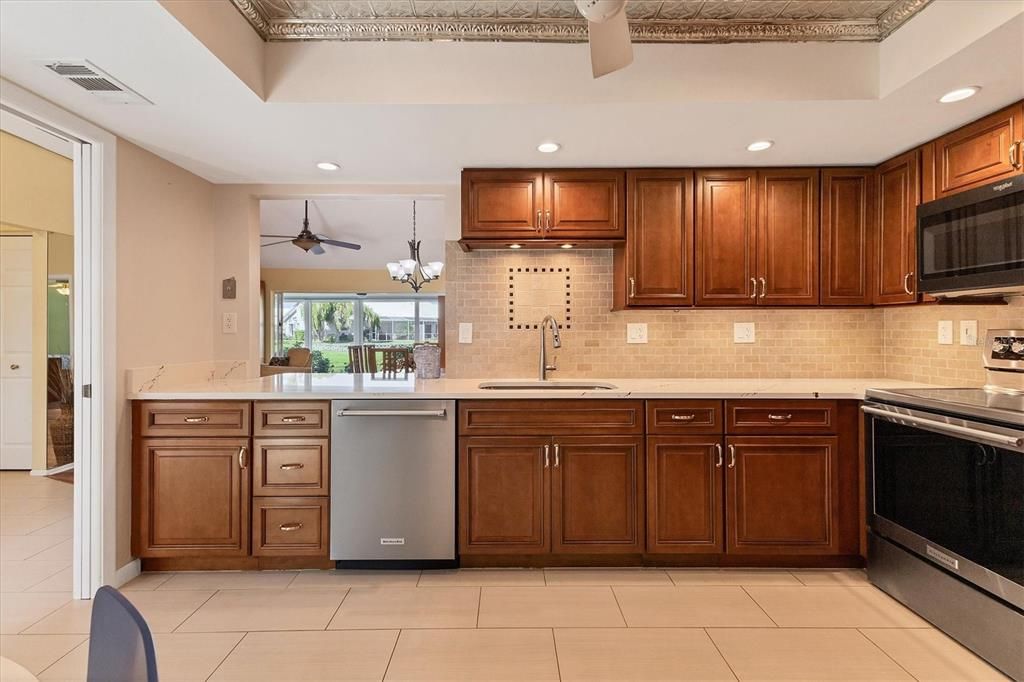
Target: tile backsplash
x: 695, y: 343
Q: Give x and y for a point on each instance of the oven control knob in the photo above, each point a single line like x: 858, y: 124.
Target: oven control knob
x: 998, y: 346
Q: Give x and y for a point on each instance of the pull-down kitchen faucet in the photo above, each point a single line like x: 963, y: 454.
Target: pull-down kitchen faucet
x: 556, y: 341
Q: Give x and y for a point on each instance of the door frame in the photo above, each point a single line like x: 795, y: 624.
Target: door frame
x: 96, y: 387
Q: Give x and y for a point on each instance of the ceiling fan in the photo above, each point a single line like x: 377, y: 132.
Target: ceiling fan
x: 307, y: 241
x: 610, y: 46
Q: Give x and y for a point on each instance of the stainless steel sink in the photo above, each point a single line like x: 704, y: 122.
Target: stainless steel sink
x: 547, y: 386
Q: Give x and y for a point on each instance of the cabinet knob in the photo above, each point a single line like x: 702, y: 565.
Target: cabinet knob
x: 15, y: 366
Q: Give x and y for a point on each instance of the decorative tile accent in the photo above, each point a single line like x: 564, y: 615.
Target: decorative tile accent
x: 535, y: 292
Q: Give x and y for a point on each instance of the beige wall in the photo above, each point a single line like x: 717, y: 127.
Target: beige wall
x: 165, y: 284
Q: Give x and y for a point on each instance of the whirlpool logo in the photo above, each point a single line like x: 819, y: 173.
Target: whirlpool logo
x: 1000, y: 188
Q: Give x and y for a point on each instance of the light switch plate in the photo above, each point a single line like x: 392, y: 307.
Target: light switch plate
x: 229, y: 323
x: 636, y: 332
x: 743, y: 332
x: 968, y: 332
x: 465, y: 332
x: 945, y: 332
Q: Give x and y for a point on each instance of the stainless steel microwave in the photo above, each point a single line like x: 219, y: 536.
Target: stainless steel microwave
x: 973, y: 243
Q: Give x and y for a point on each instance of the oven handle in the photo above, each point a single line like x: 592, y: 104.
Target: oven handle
x: 943, y: 427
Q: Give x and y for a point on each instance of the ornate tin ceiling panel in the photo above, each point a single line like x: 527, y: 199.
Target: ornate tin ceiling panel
x: 651, y: 21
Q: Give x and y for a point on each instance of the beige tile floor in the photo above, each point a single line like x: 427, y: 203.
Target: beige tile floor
x: 559, y: 624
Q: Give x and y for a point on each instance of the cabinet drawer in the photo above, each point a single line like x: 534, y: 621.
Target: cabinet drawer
x: 200, y: 419
x: 291, y: 418
x: 289, y: 526
x: 290, y: 466
x: 780, y: 416
x: 665, y: 417
x: 550, y: 417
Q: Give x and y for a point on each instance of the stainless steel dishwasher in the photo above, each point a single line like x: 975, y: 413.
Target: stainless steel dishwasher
x: 393, y: 483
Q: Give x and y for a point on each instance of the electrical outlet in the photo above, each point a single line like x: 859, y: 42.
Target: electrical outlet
x: 636, y: 332
x: 968, y: 332
x: 945, y: 333
x: 743, y: 332
x: 229, y: 323
x: 465, y: 332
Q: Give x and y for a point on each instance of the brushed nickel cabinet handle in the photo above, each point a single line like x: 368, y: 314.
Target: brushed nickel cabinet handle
x: 732, y: 456
x: 779, y: 417
x: 632, y: 287
x: 196, y: 420
x: 753, y: 282
x: 906, y: 283
x: 547, y: 454
x: 764, y: 287
x: 556, y: 455
x: 293, y: 419
x: 292, y: 466
x: 243, y: 461
x: 683, y: 417
x: 718, y: 455
x: 287, y: 527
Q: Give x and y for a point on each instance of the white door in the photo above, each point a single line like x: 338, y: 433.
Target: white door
x: 15, y: 352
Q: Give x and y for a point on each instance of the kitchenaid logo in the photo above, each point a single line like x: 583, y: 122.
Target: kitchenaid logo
x: 942, y: 558
x: 392, y: 541
x: 1000, y: 188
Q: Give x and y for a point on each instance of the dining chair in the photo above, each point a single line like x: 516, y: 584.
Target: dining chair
x: 120, y: 643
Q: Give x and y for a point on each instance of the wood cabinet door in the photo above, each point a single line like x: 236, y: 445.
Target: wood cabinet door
x: 897, y: 194
x: 585, y: 204
x: 782, y: 495
x: 787, y: 236
x: 504, y: 500
x: 684, y: 495
x: 985, y: 151
x: 502, y: 204
x: 847, y: 220
x: 725, y: 234
x: 659, y: 241
x: 191, y: 497
x: 597, y: 494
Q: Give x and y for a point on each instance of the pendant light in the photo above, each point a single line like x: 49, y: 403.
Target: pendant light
x: 412, y: 270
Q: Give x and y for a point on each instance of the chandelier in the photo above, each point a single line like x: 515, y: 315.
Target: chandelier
x: 412, y: 270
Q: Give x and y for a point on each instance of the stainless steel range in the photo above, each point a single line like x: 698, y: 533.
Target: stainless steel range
x: 946, y: 503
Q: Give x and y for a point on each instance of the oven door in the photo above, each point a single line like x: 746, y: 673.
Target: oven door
x: 951, y: 491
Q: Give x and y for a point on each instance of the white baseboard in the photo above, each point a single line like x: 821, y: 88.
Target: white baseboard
x: 127, y: 572
x: 50, y: 472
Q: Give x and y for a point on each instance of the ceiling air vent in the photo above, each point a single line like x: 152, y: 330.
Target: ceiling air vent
x: 89, y: 77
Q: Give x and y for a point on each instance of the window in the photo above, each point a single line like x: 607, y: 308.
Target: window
x: 328, y: 324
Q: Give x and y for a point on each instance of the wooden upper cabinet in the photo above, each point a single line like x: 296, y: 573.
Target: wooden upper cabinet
x: 897, y: 194
x: 725, y: 237
x: 684, y: 495
x: 659, y: 241
x: 504, y: 500
x: 191, y: 497
x: 502, y: 204
x: 597, y: 494
x: 787, y: 236
x: 979, y: 153
x: 782, y: 495
x: 847, y: 220
x: 584, y: 204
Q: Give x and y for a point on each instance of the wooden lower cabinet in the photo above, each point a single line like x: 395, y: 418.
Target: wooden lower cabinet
x: 290, y: 526
x: 684, y: 494
x: 597, y: 494
x: 782, y: 494
x: 191, y: 497
x: 504, y: 504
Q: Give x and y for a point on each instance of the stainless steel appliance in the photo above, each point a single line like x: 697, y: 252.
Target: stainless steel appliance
x: 946, y: 504
x: 973, y: 243
x: 393, y: 483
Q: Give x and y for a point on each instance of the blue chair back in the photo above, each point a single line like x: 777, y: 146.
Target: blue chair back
x: 120, y: 643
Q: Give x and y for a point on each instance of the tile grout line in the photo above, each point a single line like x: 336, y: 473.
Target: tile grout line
x: 558, y: 665
x: 751, y: 597
x: 394, y: 648
x: 73, y: 649
x: 185, y: 619
x: 885, y: 653
x: 479, y: 603
x: 726, y: 660
x: 334, y: 615
x: 218, y: 666
x: 622, y: 614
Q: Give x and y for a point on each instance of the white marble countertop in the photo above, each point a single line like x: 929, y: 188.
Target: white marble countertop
x: 330, y: 386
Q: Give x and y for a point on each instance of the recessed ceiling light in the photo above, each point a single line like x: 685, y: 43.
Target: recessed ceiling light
x: 566, y: 246
x: 548, y: 147
x: 759, y: 146
x: 960, y: 94
x: 328, y: 166
x: 515, y: 246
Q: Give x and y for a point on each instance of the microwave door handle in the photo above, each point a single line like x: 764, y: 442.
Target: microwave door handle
x: 943, y: 427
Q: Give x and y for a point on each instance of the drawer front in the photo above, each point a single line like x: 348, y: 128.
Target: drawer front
x: 290, y: 466
x: 192, y: 419
x: 780, y: 416
x: 666, y: 417
x: 289, y: 526
x: 550, y: 417
x: 291, y: 418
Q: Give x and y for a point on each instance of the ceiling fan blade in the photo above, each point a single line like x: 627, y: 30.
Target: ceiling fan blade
x: 286, y: 241
x: 610, y: 46
x: 317, y: 250
x: 344, y: 245
x: 278, y: 236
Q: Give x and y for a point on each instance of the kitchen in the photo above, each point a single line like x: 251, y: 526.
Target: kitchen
x: 681, y: 406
